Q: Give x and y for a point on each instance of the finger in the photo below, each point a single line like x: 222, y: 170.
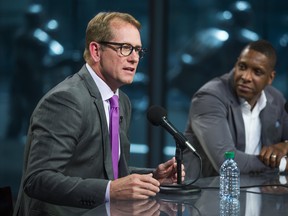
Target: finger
x: 150, y: 204
x: 149, y: 184
x: 150, y: 188
x: 136, y: 204
x: 169, y: 209
x: 273, y: 160
x: 145, y: 207
x: 142, y: 193
x: 169, y: 163
x: 148, y: 178
x: 152, y: 210
x: 262, y: 153
x: 267, y: 157
x: 183, y: 175
x: 279, y: 155
x: 183, y: 169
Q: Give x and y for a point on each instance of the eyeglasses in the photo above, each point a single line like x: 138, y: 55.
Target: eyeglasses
x: 125, y: 48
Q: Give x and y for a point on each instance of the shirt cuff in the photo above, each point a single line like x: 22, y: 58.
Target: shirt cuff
x: 282, y: 165
x: 107, y: 193
x: 107, y: 206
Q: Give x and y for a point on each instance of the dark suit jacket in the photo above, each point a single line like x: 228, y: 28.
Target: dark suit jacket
x: 67, y: 157
x: 215, y: 125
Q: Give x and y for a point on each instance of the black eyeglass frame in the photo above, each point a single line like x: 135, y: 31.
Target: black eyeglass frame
x: 141, y: 52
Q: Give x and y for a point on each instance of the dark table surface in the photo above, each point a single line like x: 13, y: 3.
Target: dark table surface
x: 260, y: 195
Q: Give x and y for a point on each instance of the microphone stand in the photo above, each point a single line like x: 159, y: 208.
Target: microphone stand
x: 179, y: 188
x: 179, y: 159
x: 179, y: 193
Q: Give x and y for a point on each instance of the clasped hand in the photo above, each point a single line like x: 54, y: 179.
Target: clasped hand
x: 137, y: 186
x: 272, y: 155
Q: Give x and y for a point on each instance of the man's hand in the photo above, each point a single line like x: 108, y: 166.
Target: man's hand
x: 271, y: 155
x: 171, y: 208
x: 276, y: 186
x: 134, y: 186
x: 146, y: 207
x: 166, y: 173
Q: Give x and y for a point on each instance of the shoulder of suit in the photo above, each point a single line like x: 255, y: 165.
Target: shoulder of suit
x: 274, y: 95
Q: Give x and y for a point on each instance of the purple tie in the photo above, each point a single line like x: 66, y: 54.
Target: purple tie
x: 114, y: 132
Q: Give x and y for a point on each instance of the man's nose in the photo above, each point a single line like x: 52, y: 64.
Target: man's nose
x: 247, y: 75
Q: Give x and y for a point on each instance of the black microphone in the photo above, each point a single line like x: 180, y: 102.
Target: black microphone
x: 158, y: 116
x: 286, y: 107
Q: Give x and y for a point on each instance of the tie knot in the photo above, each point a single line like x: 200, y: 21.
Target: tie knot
x: 114, y: 101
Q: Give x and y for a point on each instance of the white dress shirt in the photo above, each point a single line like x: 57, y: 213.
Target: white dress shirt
x: 253, y: 146
x: 106, y: 94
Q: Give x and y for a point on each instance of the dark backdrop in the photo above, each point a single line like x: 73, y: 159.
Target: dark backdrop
x: 188, y: 41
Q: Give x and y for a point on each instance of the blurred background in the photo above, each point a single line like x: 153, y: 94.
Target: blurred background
x: 188, y: 42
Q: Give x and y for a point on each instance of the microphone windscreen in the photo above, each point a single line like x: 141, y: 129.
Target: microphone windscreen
x: 155, y: 114
x: 286, y: 107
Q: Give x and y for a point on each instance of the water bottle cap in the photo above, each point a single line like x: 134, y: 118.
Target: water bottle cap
x: 229, y: 155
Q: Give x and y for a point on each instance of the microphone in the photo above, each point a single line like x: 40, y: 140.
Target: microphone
x: 158, y: 116
x: 286, y: 107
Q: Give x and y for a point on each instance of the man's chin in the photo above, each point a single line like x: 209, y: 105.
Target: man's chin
x: 244, y: 95
x: 129, y: 82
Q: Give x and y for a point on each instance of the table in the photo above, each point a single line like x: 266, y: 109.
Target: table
x: 262, y: 194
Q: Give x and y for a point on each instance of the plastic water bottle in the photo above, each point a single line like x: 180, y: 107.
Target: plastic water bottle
x: 229, y: 178
x: 229, y: 207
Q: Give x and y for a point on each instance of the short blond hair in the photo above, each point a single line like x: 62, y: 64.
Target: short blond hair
x: 98, y: 28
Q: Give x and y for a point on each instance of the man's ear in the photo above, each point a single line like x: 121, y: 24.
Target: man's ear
x: 94, y: 49
x: 272, y: 76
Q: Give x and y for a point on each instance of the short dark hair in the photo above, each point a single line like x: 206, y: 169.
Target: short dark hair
x: 266, y: 49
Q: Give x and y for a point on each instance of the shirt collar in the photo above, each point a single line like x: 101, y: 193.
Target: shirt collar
x: 105, y: 90
x: 259, y: 106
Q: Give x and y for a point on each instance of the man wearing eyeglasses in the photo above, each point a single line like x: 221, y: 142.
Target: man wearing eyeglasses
x: 68, y: 157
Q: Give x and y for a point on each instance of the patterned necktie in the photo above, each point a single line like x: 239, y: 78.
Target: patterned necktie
x: 114, y: 132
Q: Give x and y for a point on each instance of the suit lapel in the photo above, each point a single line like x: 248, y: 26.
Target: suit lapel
x: 269, y: 121
x: 240, y: 128
x: 106, y: 140
x: 95, y: 93
x: 236, y: 115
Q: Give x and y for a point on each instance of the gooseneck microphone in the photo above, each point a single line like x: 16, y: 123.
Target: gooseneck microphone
x: 158, y: 116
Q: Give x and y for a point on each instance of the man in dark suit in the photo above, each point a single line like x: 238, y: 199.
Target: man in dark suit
x: 241, y: 112
x: 68, y: 158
